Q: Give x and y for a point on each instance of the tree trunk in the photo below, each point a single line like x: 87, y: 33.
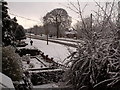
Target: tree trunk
x: 57, y: 31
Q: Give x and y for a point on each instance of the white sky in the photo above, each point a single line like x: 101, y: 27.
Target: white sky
x: 37, y: 9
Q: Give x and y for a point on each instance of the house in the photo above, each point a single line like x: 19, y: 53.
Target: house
x: 71, y: 33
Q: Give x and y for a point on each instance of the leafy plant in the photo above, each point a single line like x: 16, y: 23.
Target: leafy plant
x: 97, y: 62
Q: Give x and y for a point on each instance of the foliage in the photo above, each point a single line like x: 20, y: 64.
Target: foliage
x: 58, y: 18
x: 11, y: 63
x: 9, y: 27
x: 37, y: 30
x: 6, y: 37
x: 20, y: 33
x: 102, y: 21
x: 95, y: 63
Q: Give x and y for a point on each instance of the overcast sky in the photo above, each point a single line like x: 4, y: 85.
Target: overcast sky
x: 37, y: 10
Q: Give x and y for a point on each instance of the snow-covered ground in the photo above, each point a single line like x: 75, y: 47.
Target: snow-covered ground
x: 57, y: 51
x: 45, y: 86
x: 69, y: 39
x: 35, y: 64
x: 64, y: 41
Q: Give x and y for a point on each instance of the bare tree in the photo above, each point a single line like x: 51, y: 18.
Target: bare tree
x: 58, y: 18
x: 106, y: 18
x: 103, y: 21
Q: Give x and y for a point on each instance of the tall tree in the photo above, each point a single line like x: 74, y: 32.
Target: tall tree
x: 58, y: 18
x: 20, y: 33
x: 6, y: 37
x: 11, y: 30
x: 80, y: 27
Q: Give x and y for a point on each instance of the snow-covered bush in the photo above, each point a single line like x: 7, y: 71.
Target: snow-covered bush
x: 96, y: 63
x: 11, y: 63
x: 26, y: 57
x: 31, y: 65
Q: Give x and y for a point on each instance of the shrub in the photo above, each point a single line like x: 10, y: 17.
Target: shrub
x: 11, y: 63
x: 95, y: 63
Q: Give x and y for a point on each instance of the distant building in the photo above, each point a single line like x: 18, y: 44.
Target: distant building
x: 71, y: 33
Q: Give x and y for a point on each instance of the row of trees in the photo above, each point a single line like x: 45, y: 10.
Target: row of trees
x: 37, y: 30
x: 55, y: 23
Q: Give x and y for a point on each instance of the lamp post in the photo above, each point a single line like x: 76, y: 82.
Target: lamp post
x: 91, y: 21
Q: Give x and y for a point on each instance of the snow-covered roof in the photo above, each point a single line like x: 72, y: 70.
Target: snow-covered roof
x: 70, y: 32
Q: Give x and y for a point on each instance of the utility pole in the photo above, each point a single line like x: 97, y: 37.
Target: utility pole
x: 30, y: 33
x: 91, y: 21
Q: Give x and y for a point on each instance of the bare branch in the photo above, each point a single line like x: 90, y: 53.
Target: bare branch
x: 106, y: 16
x: 74, y: 6
x: 84, y: 8
x: 70, y: 8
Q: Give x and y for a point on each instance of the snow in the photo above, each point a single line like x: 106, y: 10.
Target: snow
x: 50, y: 70
x: 6, y: 82
x: 71, y: 39
x: 70, y: 32
x: 58, y: 40
x: 57, y: 51
x: 46, y: 86
x: 27, y: 47
x: 36, y: 64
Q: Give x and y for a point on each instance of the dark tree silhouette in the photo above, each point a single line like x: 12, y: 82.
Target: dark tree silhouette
x: 6, y: 30
x: 11, y: 31
x: 20, y: 33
